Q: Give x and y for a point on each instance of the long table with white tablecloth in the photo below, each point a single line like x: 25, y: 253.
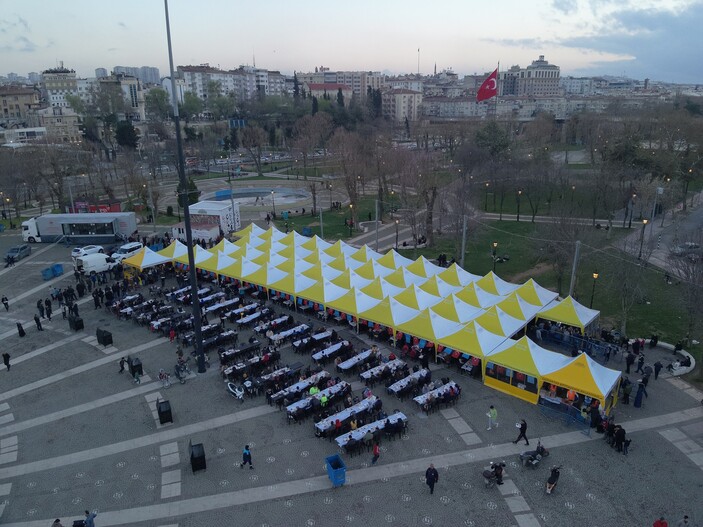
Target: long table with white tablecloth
x: 402, y: 383
x: 359, y: 433
x: 436, y: 393
x: 330, y: 392
x: 359, y: 408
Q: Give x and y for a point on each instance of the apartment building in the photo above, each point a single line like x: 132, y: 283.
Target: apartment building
x: 17, y: 101
x: 61, y: 124
x: 401, y: 104
x: 330, y: 89
x: 358, y: 81
x: 538, y: 79
x: 56, y: 83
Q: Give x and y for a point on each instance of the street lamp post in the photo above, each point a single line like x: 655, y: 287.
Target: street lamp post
x: 153, y: 208
x: 351, y: 219
x: 632, y: 210
x: 593, y: 290
x: 329, y: 187
x: 495, y: 249
x: 644, y: 226
x: 519, y: 193
x: 273, y: 201
x: 485, y: 204
x: 396, y: 235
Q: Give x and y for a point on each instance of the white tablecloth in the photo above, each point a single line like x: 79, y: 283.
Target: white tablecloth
x: 280, y: 371
x: 375, y: 372
x: 265, y: 325
x: 221, y: 305
x: 353, y: 361
x: 303, y: 385
x: 306, y: 401
x: 402, y: 383
x: 178, y: 292
x: 317, y: 337
x: 371, y: 427
x: 287, y: 333
x: 358, y: 408
x: 334, y: 348
x: 422, y: 399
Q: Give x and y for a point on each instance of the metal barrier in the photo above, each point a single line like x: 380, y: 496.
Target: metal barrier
x: 570, y: 417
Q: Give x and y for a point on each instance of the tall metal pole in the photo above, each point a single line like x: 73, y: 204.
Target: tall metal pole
x: 70, y: 193
x: 186, y: 211
x: 153, y: 208
x: 577, y: 252
x: 463, y: 243
x: 376, y: 225
x: 322, y: 226
x: 231, y: 197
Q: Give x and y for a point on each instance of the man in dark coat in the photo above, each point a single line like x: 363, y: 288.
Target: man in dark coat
x: 629, y: 361
x: 6, y: 360
x: 37, y: 321
x: 431, y: 477
x: 657, y: 368
x: 523, y: 432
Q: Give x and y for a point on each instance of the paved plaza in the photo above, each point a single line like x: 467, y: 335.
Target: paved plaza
x: 76, y: 435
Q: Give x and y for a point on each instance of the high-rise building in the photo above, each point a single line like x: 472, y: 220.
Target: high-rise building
x: 146, y: 74
x: 56, y: 83
x: 399, y: 104
x: 539, y: 79
x: 100, y: 73
x: 34, y: 77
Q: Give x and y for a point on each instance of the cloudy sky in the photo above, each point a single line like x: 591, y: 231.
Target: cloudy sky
x: 658, y: 39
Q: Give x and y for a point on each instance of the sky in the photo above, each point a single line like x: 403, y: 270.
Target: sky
x: 656, y: 39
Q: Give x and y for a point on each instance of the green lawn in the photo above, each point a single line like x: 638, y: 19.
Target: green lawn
x: 333, y: 220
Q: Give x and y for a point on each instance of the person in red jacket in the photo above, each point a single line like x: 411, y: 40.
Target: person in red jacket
x: 661, y: 522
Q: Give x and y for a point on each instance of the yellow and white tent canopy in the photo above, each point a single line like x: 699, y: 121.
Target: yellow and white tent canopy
x: 496, y: 285
x: 344, y: 262
x: 586, y: 376
x: 251, y: 229
x: 380, y: 288
x: 474, y: 295
x: 438, y: 287
x: 318, y: 255
x: 322, y: 291
x: 315, y: 243
x: 389, y: 312
x: 393, y: 260
x: 569, y: 312
x: 247, y: 251
x: 293, y: 238
x: 353, y: 302
x: 320, y: 270
x: 525, y: 356
x: 373, y: 269
x: 145, y: 258
x: 175, y: 250
x: 404, y: 278
x: 239, y: 268
x: 340, y: 248
x: 294, y: 251
x: 517, y: 307
x: 430, y: 326
x: 423, y: 267
x: 225, y: 246
x: 350, y: 278
x: 295, y: 265
x: 457, y: 276
x: 265, y: 275
x: 453, y: 308
x: 365, y: 253
x: 416, y: 298
x: 199, y: 256
x: 499, y: 322
x: 293, y: 283
x: 535, y: 293
x: 272, y: 235
x: 216, y: 263
x: 472, y: 339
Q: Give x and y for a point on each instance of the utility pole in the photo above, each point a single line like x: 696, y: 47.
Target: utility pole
x: 322, y: 226
x: 376, y: 225
x: 231, y: 196
x: 463, y: 243
x: 186, y: 211
x: 70, y: 193
x: 577, y: 252
x: 153, y: 208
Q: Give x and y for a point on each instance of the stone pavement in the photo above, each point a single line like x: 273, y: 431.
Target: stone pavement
x: 74, y: 434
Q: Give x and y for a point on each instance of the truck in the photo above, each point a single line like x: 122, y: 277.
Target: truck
x: 93, y: 263
x: 81, y: 229
x: 224, y: 214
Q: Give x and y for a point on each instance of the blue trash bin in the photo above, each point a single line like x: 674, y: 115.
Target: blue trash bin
x: 336, y: 470
x: 47, y: 274
x: 57, y: 269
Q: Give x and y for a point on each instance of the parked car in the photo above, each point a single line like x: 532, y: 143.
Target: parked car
x: 88, y: 249
x: 19, y: 251
x: 126, y: 251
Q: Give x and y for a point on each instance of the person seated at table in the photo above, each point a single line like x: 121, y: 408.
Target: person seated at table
x: 366, y: 393
x: 314, y: 390
x: 330, y: 382
x: 353, y: 423
x: 352, y: 444
x: 391, y: 356
x: 348, y: 402
x: 333, y: 336
x: 429, y: 403
x: 323, y: 401
x: 337, y: 427
x: 426, y: 389
x: 338, y: 361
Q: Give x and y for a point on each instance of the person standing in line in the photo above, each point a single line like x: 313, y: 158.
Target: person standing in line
x: 122, y: 363
x: 629, y: 361
x: 431, y: 477
x: 37, y: 321
x: 376, y: 453
x: 20, y: 329
x: 492, y: 417
x: 6, y: 303
x: 523, y: 432
x: 48, y: 308
x: 90, y: 519
x: 6, y: 360
x: 657, y: 368
x: 246, y: 458
x: 40, y: 307
x: 64, y: 311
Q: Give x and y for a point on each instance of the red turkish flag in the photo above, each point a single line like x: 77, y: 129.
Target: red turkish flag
x: 489, y: 88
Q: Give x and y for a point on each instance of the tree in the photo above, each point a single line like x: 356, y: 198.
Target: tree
x: 689, y: 270
x: 126, y: 134
x: 253, y: 140
x: 192, y: 106
x: 296, y: 87
x: 315, y: 106
x: 494, y: 140
x: 340, y: 98
x: 190, y: 195
x: 157, y: 104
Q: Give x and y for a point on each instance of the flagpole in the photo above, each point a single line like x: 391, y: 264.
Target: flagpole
x: 495, y: 106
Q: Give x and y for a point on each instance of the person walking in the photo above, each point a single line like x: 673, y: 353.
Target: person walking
x: 48, y: 308
x: 683, y: 522
x: 37, y: 321
x: 90, y: 519
x: 629, y: 361
x: 122, y: 363
x: 246, y: 458
x: 661, y: 522
x: 6, y: 303
x: 431, y: 477
x: 522, y: 425
x: 641, y: 391
x: 20, y: 329
x: 376, y: 453
x: 492, y: 417
x: 57, y: 523
x: 657, y: 368
x: 40, y: 307
x: 64, y: 311
x: 626, y: 391
x: 640, y: 364
x: 6, y: 360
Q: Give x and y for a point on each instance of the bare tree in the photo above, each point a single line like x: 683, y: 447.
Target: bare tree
x: 253, y: 140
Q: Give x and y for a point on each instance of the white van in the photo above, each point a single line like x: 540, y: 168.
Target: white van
x: 93, y: 263
x: 127, y: 250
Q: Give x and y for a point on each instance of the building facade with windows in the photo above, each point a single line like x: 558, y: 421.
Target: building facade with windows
x: 56, y: 83
x: 16, y: 102
x: 401, y: 104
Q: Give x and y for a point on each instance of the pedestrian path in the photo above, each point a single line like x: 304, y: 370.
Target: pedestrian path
x: 688, y: 446
x: 460, y: 426
x: 44, y: 349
